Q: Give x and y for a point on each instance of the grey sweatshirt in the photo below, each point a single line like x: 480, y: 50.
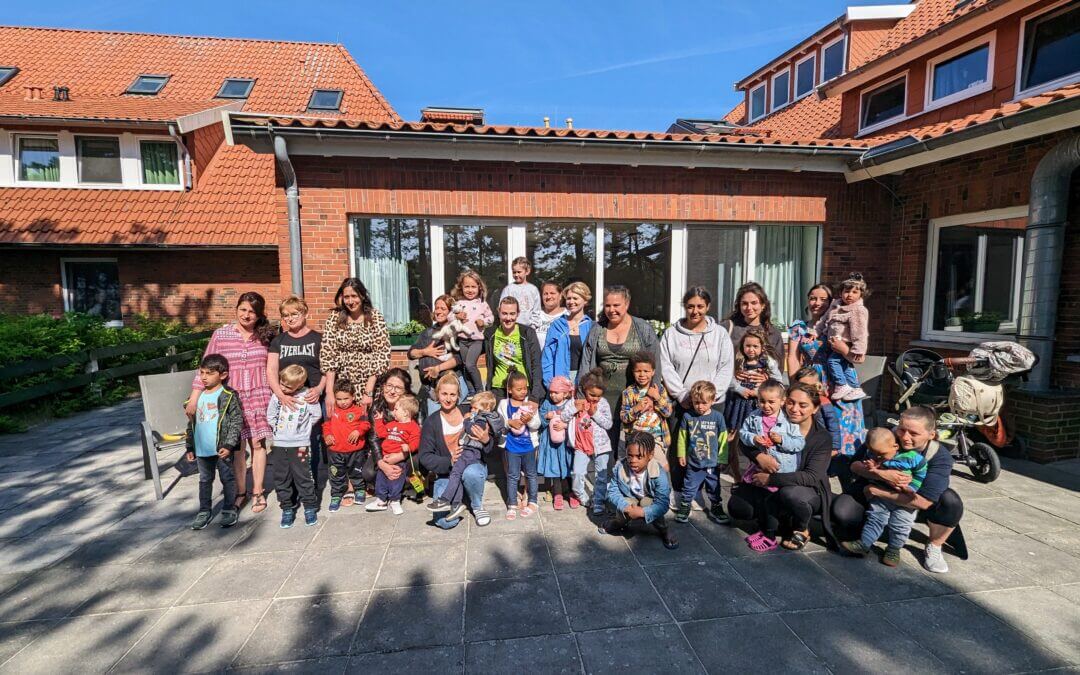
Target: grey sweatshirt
x: 714, y: 362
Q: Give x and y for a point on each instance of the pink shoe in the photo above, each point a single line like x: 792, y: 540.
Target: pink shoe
x: 764, y: 545
x: 558, y: 503
x: 574, y: 502
x: 840, y: 392
x: 752, y: 539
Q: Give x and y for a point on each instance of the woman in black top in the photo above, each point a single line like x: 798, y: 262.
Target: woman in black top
x: 752, y: 308
x: 429, y: 355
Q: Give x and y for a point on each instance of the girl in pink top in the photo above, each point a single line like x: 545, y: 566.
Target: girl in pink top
x: 471, y: 308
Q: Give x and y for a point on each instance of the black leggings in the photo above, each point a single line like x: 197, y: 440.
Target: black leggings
x: 849, y: 512
x: 797, y: 504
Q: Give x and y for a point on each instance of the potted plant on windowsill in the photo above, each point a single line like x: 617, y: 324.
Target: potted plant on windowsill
x: 405, y: 333
x: 982, y: 322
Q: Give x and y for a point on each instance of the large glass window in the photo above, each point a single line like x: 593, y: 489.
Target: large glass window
x: 93, y: 287
x: 39, y: 159
x: 479, y: 247
x: 159, y: 163
x: 715, y: 258
x: 883, y: 104
x: 781, y: 93
x: 561, y: 252
x: 638, y: 256
x: 976, y: 277
x: 757, y: 102
x: 1051, y: 48
x: 960, y: 73
x: 393, y: 259
x: 804, y: 76
x: 832, y: 61
x: 99, y: 159
x: 786, y: 265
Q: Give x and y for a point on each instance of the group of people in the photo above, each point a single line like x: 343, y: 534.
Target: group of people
x: 612, y: 417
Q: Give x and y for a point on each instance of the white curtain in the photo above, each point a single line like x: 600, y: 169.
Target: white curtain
x: 786, y: 266
x: 388, y: 283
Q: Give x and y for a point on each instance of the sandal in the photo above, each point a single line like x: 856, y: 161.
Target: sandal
x: 796, y: 542
x: 258, y: 503
x: 764, y: 545
x: 241, y: 501
x: 511, y: 513
x: 528, y: 510
x: 752, y: 539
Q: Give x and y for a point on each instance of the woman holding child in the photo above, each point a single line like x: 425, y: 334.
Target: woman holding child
x: 356, y: 344
x: 433, y: 359
x: 244, y: 344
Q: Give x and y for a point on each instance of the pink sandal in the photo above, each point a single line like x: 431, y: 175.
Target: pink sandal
x: 511, y: 513
x: 528, y: 510
x: 753, y: 538
x: 764, y: 545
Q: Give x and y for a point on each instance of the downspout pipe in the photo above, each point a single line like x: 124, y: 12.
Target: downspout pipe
x: 1044, y: 242
x: 179, y: 140
x: 292, y: 201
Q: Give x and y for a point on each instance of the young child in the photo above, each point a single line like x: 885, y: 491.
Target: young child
x: 845, y: 325
x: 401, y: 438
x: 703, y: 449
x: 471, y: 307
x: 752, y: 356
x: 646, y: 405
x: 588, y: 434
x: 292, y: 447
x: 555, y: 456
x: 521, y: 419
x: 213, y: 435
x: 640, y: 490
x: 884, y: 453
x: 826, y: 414
x: 769, y: 429
x: 482, y: 413
x: 345, y: 433
x: 527, y: 295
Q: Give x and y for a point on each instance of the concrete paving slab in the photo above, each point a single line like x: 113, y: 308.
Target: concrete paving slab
x: 15, y: 636
x: 501, y: 526
x: 54, y: 593
x: 704, y: 590
x: 254, y: 576
x: 401, y: 618
x: 511, y: 608
x: 1062, y: 504
x: 649, y: 549
x: 266, y: 536
x: 422, y: 564
x: 727, y: 540
x: 611, y: 598
x: 366, y: 529
x: 546, y: 654
x: 1068, y: 591
x: 145, y: 587
x: 346, y: 569
x: 644, y: 649
x: 1048, y: 619
x: 116, y: 548
x: 787, y: 582
x: 587, y: 550
x: 1063, y: 540
x: 1042, y: 564
x: 515, y: 555
x: 331, y: 665
x: 418, y: 526
x: 31, y: 518
x: 38, y: 551
x: 979, y: 573
x: 873, y: 582
x: 735, y: 645
x: 184, y: 543
x: 443, y: 659
x: 87, y: 644
x: 297, y: 629
x: 566, y: 520
x: 1017, y: 516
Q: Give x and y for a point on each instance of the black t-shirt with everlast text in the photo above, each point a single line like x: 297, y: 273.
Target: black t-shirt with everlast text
x: 302, y: 350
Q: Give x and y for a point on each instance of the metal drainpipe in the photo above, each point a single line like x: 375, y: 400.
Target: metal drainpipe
x: 1044, y: 241
x: 292, y: 199
x: 187, y: 156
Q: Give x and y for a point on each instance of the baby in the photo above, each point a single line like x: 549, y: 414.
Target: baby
x: 482, y: 413
x: 769, y: 429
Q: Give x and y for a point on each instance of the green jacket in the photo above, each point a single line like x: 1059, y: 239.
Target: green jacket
x: 229, y: 423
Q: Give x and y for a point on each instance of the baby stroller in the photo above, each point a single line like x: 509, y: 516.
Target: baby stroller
x: 968, y: 401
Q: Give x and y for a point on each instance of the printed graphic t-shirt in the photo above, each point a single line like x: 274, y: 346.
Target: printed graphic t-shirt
x: 507, y: 353
x: 302, y: 350
x: 206, y: 423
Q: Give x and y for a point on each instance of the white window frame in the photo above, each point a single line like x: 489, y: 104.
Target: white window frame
x: 930, y: 277
x: 65, y: 291
x: 1053, y: 84
x: 843, y: 58
x: 812, y: 56
x: 878, y: 87
x: 772, y: 90
x: 989, y: 40
x: 16, y: 142
x: 139, y: 140
x: 78, y: 160
x: 750, y: 103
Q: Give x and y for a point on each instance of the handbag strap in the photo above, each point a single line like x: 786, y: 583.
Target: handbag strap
x: 693, y: 358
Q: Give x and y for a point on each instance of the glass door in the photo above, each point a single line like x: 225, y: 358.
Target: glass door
x: 479, y: 246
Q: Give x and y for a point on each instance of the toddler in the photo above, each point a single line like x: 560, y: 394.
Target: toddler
x: 640, y: 490
x: 883, y: 452
x: 754, y: 358
x: 845, y: 326
x: 482, y: 413
x: 521, y: 418
x: 345, y: 433
x: 588, y: 434
x: 769, y: 429
x: 702, y: 448
x: 292, y: 446
x: 646, y: 405
x: 555, y: 456
x: 401, y: 438
x: 213, y: 435
x: 527, y: 295
x: 471, y: 307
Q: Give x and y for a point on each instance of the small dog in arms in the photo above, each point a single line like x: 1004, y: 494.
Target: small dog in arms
x: 448, y: 334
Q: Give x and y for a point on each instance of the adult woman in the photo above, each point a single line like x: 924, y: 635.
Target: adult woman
x: 244, y: 343
x: 430, y: 354
x: 805, y: 349
x: 567, y: 335
x: 388, y: 389
x: 696, y: 348
x: 752, y: 308
x: 512, y: 346
x: 610, y: 345
x: 550, y: 308
x: 440, y: 446
x: 801, y: 493
x: 356, y: 343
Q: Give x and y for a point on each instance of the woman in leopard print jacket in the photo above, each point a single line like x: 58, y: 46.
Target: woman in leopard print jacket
x: 356, y: 344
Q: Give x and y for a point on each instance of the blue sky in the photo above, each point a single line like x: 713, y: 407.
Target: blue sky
x: 616, y: 65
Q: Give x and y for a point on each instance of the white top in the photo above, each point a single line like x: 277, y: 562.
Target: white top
x: 637, y: 483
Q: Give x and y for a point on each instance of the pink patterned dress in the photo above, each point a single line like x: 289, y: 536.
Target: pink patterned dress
x: 247, y: 375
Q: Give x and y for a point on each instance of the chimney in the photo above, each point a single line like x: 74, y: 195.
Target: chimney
x: 443, y: 115
x: 569, y: 122
x: 61, y: 94
x: 547, y: 122
x: 33, y: 93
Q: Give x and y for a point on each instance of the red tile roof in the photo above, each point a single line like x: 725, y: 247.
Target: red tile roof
x: 928, y: 16
x: 808, y: 116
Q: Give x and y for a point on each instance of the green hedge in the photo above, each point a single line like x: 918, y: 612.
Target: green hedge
x: 31, y: 338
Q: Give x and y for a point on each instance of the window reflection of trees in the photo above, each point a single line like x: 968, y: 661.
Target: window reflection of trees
x: 562, y: 252
x: 637, y: 255
x: 481, y: 248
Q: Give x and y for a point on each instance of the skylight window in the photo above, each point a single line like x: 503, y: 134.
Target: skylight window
x: 6, y: 73
x: 148, y: 85
x: 235, y: 87
x: 325, y: 99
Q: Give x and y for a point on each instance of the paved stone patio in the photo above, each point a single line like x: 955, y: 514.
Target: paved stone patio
x: 96, y: 576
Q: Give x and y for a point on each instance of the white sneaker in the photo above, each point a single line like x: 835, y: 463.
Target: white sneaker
x: 395, y: 508
x: 934, y: 560
x: 377, y: 505
x: 840, y: 392
x: 856, y: 394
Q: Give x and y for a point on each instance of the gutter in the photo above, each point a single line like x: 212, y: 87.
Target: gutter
x: 38, y: 119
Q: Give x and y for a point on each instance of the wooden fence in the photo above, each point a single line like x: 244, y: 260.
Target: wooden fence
x: 92, y: 373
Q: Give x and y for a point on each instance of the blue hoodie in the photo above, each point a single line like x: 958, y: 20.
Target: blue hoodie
x: 555, y: 357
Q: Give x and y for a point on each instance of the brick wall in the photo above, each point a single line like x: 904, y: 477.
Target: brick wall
x: 1049, y: 423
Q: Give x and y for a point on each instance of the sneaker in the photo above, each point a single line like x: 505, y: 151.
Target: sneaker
x: 840, y: 392
x: 717, y: 514
x: 891, y: 557
x: 457, y: 512
x: 682, y: 515
x: 311, y: 516
x: 229, y: 518
x: 288, y: 517
x: 335, y: 504
x: 558, y: 503
x: 856, y: 394
x: 377, y: 505
x: 202, y: 519
x: 359, y: 499
x: 856, y: 547
x: 934, y: 560
x: 612, y: 526
x: 395, y: 508
x: 483, y: 518
x: 671, y: 542
x: 436, y: 505
x: 574, y: 502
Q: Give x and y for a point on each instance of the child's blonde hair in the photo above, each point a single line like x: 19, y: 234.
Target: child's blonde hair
x: 293, y: 301
x: 484, y: 401
x: 704, y: 391
x: 293, y: 376
x: 409, y: 404
x: 456, y: 292
x: 523, y: 261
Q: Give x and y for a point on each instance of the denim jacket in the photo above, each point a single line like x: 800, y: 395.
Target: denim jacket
x: 791, y: 442
x: 657, y: 487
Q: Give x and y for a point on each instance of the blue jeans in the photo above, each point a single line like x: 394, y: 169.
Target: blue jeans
x: 208, y: 466
x: 840, y: 370
x: 695, y: 478
x: 581, y: 468
x: 882, y: 513
x: 473, y: 480
x: 516, y: 463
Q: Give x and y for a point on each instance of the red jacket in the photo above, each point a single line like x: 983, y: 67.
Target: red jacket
x: 395, y: 435
x: 342, y: 423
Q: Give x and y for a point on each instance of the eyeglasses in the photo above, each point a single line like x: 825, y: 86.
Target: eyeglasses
x: 393, y: 387
x: 293, y: 315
